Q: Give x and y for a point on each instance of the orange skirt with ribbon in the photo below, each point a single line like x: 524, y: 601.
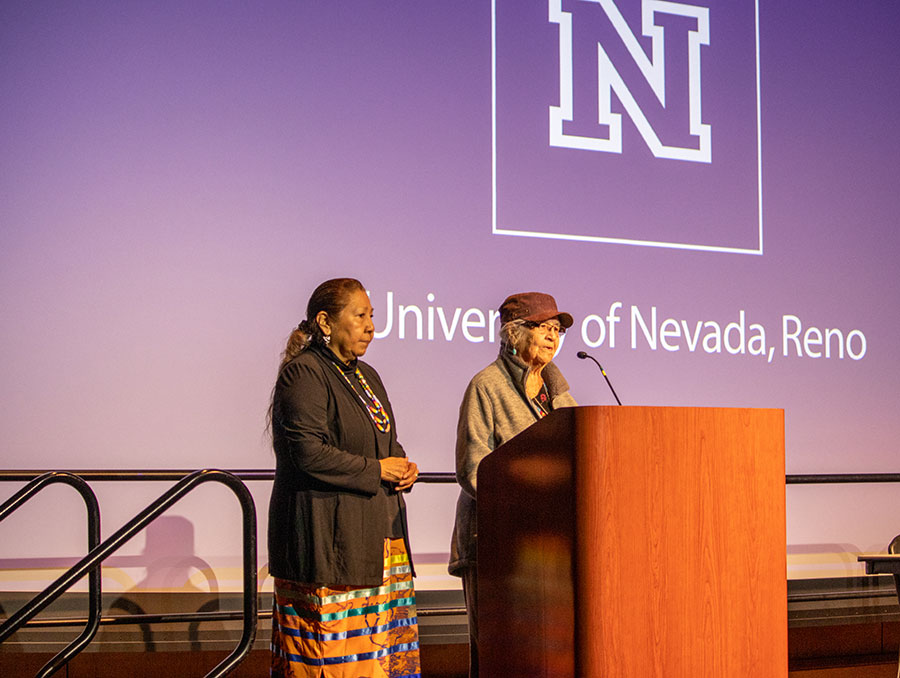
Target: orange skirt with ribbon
x: 347, y: 632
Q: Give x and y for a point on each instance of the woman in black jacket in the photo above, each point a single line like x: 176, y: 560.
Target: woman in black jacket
x: 338, y: 538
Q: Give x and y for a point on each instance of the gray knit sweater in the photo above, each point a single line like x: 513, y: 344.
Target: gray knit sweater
x: 494, y: 409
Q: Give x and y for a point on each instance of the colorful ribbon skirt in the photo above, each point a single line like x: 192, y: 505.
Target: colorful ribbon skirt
x: 347, y: 632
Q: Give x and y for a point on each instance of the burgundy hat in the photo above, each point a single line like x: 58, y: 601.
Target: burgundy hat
x: 535, y: 307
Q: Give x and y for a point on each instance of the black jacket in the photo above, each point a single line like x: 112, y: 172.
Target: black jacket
x: 330, y: 512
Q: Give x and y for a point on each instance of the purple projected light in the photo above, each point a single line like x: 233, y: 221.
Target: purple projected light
x: 629, y: 122
x: 176, y: 178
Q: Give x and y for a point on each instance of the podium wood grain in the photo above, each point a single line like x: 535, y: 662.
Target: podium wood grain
x: 635, y: 542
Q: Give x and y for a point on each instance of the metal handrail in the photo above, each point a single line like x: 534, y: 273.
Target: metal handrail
x: 92, y: 623
x: 175, y: 474
x: 268, y: 475
x: 424, y: 477
x: 840, y: 478
x: 96, y: 555
x: 217, y: 616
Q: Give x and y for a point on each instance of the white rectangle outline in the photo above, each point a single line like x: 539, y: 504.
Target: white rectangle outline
x: 618, y: 241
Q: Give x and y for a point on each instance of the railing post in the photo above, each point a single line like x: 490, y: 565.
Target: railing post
x: 94, y: 577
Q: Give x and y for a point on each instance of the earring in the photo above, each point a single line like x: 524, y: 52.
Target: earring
x: 514, y: 351
x: 327, y: 339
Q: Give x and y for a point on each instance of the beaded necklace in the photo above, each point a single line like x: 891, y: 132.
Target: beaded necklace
x: 374, y: 406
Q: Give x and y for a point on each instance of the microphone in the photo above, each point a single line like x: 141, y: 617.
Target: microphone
x: 583, y: 355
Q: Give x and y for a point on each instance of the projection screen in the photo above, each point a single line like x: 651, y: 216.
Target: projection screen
x: 708, y: 187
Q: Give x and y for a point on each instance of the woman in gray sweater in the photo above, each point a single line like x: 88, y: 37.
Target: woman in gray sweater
x: 520, y: 387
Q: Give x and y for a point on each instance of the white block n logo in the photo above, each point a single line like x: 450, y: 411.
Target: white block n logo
x: 652, y: 69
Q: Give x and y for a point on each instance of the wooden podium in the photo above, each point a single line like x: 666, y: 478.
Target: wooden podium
x: 635, y: 542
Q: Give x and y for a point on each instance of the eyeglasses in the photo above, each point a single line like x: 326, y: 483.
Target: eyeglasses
x: 546, y: 328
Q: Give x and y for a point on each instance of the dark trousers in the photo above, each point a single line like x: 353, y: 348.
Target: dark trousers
x: 470, y: 591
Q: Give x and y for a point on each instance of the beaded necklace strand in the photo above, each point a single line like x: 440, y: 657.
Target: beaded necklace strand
x: 374, y: 406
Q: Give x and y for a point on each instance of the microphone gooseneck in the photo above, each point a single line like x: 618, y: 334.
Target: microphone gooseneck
x: 583, y: 356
